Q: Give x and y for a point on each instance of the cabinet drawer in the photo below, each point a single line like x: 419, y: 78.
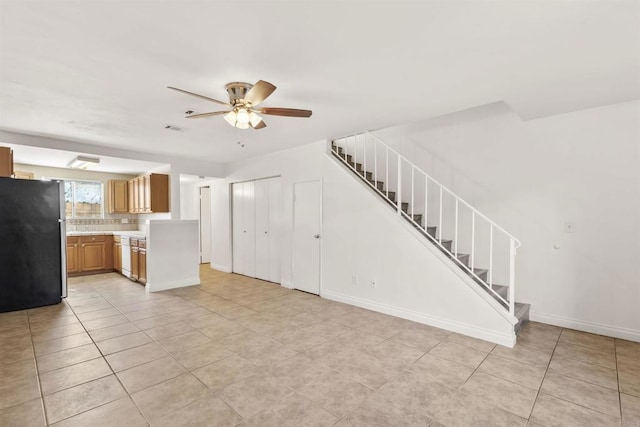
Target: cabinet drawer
x: 116, y: 239
x: 91, y: 239
x: 133, y: 242
x: 72, y: 240
x: 142, y: 243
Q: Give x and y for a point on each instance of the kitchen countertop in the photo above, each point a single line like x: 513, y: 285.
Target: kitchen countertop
x: 134, y: 233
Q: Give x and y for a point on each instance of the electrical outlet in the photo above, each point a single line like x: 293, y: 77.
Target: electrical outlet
x: 355, y: 279
x: 373, y: 283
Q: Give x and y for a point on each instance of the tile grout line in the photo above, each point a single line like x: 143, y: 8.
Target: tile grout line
x: 35, y: 359
x: 545, y: 374
x: 108, y: 364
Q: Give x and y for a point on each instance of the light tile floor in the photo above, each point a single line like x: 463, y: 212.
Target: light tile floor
x: 238, y: 351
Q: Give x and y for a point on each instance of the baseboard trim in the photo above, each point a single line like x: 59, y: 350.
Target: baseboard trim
x: 220, y: 267
x: 426, y: 319
x: 156, y: 287
x: 585, y: 326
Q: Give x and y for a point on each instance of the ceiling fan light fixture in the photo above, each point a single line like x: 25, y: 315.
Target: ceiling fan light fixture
x: 242, y: 116
x: 230, y: 118
x: 254, y: 119
x: 241, y: 125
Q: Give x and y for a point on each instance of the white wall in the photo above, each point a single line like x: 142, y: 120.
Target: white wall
x: 361, y: 236
x: 532, y: 178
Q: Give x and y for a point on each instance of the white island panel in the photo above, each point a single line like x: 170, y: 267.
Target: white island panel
x: 173, y: 254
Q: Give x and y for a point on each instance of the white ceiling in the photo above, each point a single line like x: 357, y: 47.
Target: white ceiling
x: 97, y: 71
x: 39, y: 156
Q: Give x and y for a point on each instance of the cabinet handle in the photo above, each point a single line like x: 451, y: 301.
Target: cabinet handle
x: 83, y: 245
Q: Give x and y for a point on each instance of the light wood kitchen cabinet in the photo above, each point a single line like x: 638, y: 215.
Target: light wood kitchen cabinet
x: 135, y: 266
x: 118, y: 196
x: 23, y: 175
x: 149, y: 193
x: 141, y: 191
x: 142, y: 261
x: 73, y: 264
x: 117, y: 254
x: 131, y: 195
x: 89, y: 254
x: 6, y: 162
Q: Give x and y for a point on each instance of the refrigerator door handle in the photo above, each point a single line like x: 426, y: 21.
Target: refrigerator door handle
x: 63, y: 240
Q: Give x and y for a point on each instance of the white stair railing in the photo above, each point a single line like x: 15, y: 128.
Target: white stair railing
x: 384, y: 169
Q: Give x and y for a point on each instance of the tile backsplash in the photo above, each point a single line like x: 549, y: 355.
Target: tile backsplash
x: 107, y: 224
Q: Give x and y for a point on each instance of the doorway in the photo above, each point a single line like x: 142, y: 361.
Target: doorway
x: 307, y: 219
x: 205, y: 225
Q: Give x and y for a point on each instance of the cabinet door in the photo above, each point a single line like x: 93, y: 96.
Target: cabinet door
x: 146, y: 184
x: 142, y: 265
x: 6, y: 161
x: 135, y: 267
x: 92, y: 256
x: 72, y: 258
x: 130, y: 196
x: 118, y: 196
x: 133, y: 188
x: 117, y: 257
x: 141, y: 195
x: 261, y: 197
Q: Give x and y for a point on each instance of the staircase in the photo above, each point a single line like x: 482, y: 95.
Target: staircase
x: 480, y: 248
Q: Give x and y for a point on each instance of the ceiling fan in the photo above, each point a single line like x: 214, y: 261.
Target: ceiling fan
x: 243, y: 98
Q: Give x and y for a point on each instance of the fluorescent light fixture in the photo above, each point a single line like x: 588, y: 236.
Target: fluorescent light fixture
x: 82, y: 162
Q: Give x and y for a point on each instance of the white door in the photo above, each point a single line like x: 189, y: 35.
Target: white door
x: 238, y: 227
x: 205, y: 225
x: 275, y: 209
x: 249, y: 230
x: 306, y: 236
x: 261, y: 188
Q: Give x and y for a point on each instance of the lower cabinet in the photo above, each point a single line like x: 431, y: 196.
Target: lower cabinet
x: 139, y: 260
x: 135, y: 265
x: 73, y: 260
x: 142, y: 265
x: 89, y: 254
x: 117, y: 254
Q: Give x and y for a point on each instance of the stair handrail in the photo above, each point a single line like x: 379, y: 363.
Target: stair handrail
x: 514, y: 243
x: 444, y: 187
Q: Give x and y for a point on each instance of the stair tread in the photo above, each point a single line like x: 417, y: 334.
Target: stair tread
x: 521, y: 310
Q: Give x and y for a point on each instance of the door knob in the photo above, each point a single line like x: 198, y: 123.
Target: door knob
x: 317, y: 236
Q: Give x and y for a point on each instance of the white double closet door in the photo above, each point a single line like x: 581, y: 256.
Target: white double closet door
x: 256, y: 228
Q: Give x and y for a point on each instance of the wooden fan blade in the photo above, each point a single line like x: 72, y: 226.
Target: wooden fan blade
x: 214, y: 113
x: 200, y: 96
x: 259, y: 92
x: 289, y: 112
x: 260, y: 125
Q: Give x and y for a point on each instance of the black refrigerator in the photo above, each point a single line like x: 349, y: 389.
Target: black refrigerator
x: 32, y: 244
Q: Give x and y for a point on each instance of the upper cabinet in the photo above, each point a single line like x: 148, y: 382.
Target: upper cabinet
x: 149, y: 193
x: 6, y: 162
x: 118, y: 196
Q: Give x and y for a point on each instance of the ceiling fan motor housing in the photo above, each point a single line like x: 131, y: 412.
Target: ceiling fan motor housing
x: 237, y: 91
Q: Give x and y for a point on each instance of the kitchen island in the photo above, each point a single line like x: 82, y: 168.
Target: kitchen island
x: 165, y: 256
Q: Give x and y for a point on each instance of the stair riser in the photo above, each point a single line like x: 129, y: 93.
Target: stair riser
x: 479, y: 275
